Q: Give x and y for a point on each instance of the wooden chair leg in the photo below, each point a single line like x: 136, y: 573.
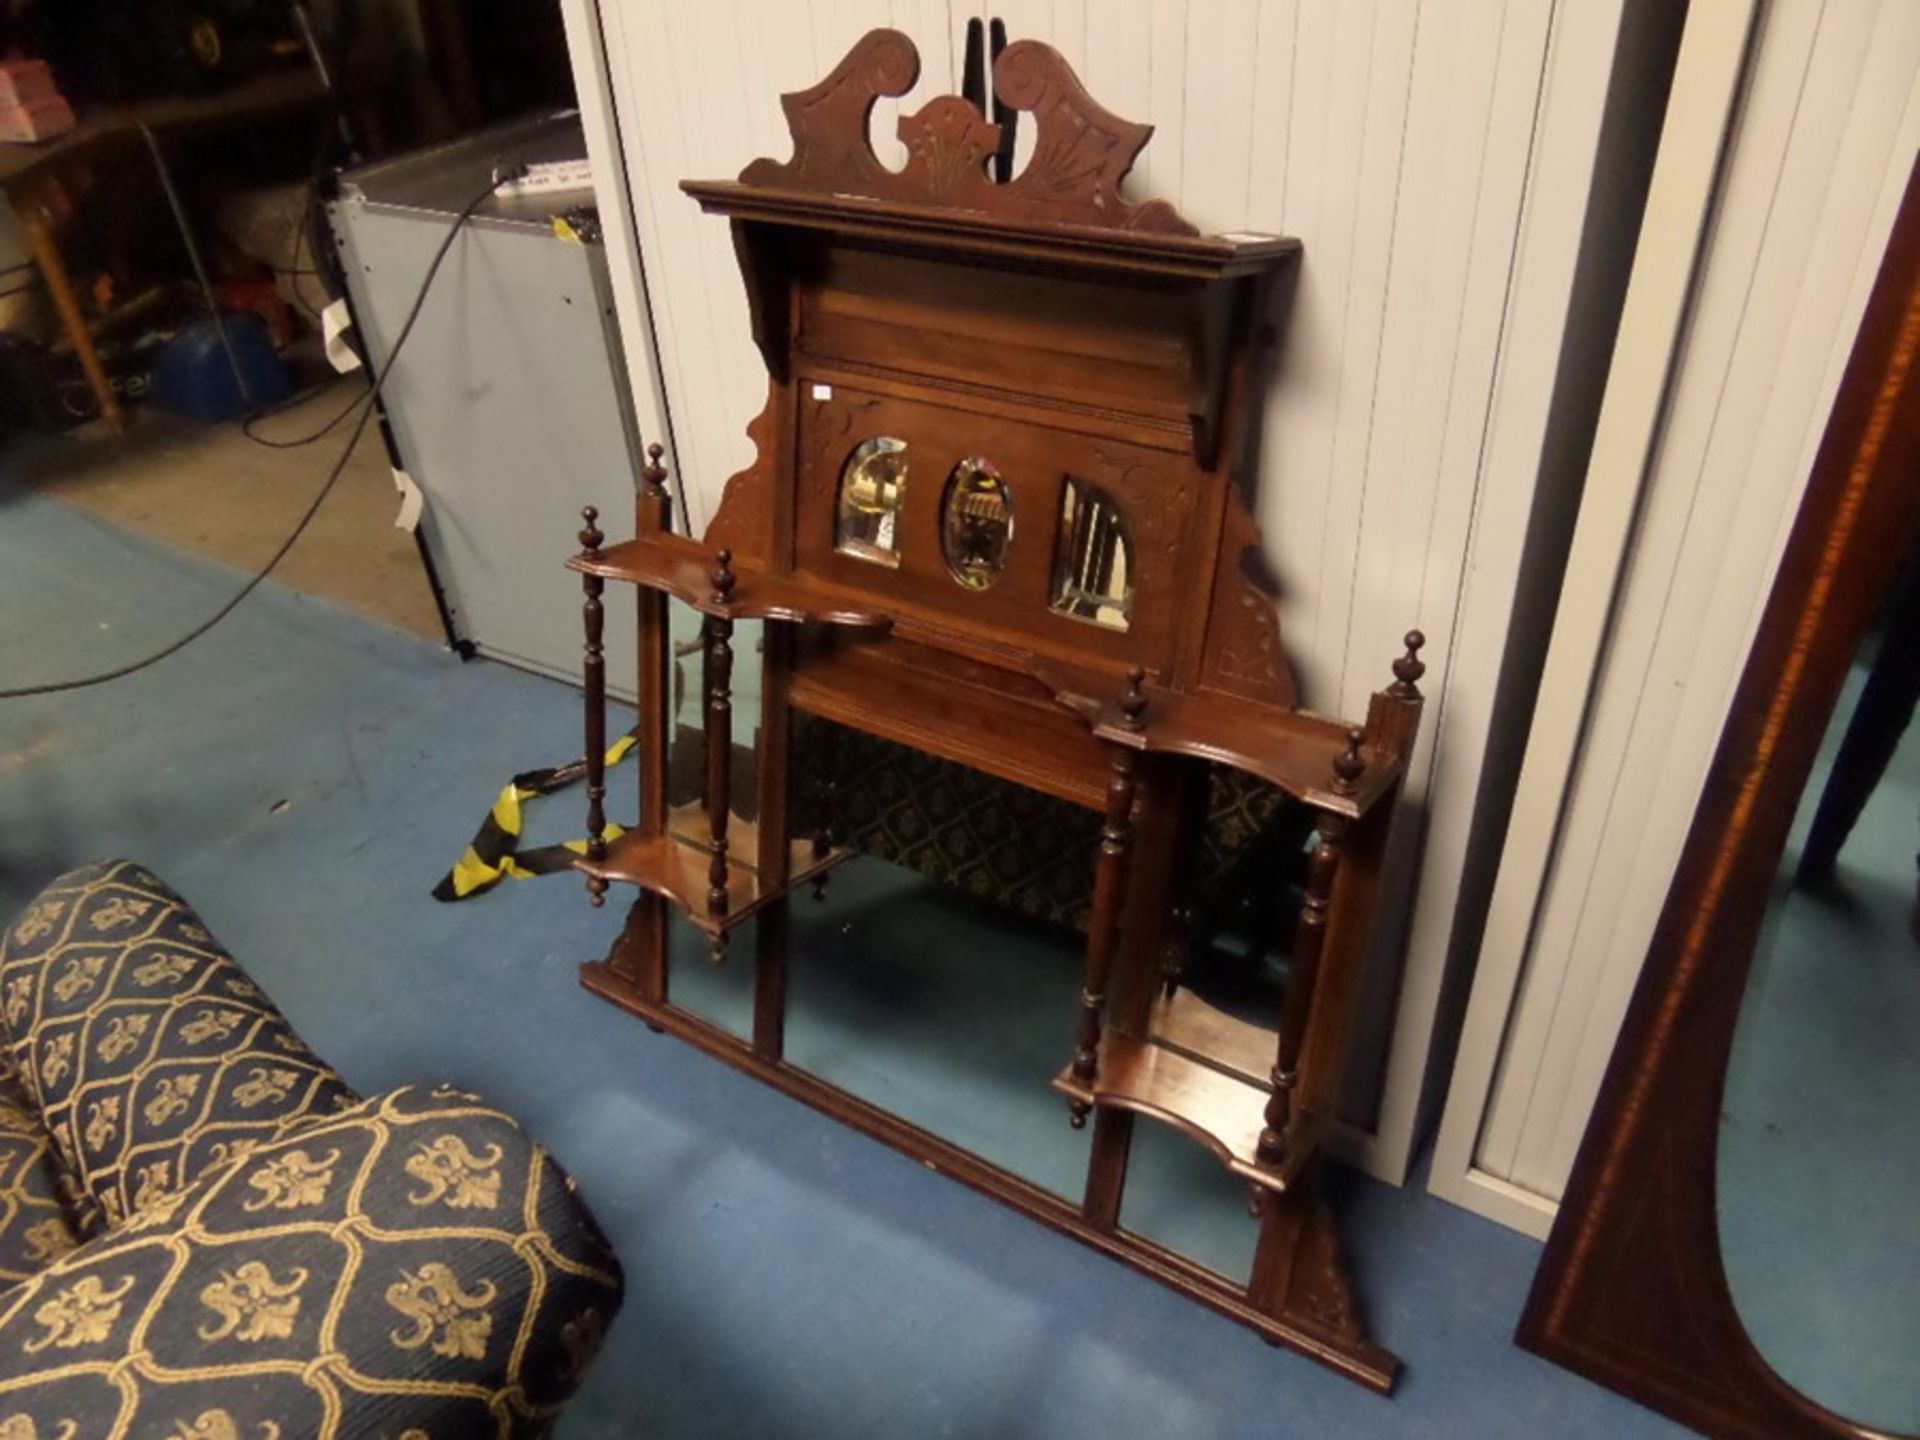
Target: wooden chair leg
x: 53, y: 269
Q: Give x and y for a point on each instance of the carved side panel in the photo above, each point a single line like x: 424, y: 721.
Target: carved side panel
x: 743, y: 523
x: 1243, y: 655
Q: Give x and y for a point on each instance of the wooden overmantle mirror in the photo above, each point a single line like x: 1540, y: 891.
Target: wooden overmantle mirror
x: 1739, y: 1246
x: 998, y: 539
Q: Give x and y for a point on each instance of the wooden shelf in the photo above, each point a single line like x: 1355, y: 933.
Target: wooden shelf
x: 684, y: 569
x: 1221, y: 1111
x: 1209, y: 1035
x: 1291, y: 749
x: 674, y: 864
x: 980, y: 232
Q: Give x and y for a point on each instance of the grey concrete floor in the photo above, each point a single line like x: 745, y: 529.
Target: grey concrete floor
x: 210, y: 490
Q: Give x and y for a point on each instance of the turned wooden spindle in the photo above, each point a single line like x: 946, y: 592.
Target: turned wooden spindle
x: 595, y: 678
x: 656, y: 504
x: 719, y: 732
x: 1103, y: 930
x: 1176, y: 950
x: 1303, y: 964
x: 1408, y: 669
x: 1133, y: 704
x: 1350, y: 765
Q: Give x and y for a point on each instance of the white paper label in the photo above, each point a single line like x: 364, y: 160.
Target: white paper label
x: 412, y: 502
x: 333, y: 327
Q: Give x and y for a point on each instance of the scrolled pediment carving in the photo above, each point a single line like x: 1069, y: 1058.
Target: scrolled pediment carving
x: 1082, y: 151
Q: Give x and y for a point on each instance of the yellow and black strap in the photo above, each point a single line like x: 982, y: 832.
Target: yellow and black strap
x: 495, y: 853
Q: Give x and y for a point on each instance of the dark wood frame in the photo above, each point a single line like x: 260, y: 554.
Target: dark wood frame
x: 1632, y: 1291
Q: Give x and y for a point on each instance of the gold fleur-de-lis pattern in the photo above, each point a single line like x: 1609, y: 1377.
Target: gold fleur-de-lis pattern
x: 454, y: 1175
x: 123, y: 1034
x: 141, y: 1041
x: 313, y: 1265
x: 219, y: 1425
x: 84, y: 1313
x: 39, y: 920
x: 34, y: 1225
x: 442, y: 1312
x: 22, y: 1427
x: 249, y: 1304
x: 292, y: 1181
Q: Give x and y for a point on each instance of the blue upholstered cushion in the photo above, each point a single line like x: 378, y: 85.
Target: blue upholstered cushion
x: 413, y: 1264
x: 146, y: 1048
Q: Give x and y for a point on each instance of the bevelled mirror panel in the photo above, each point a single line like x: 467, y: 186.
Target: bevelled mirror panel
x: 1093, y: 559
x: 976, y: 522
x: 1819, y: 1165
x: 873, y: 487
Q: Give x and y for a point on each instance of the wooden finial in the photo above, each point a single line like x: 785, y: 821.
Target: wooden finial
x: 590, y: 536
x: 1408, y: 669
x: 1133, y: 705
x: 1351, y: 765
x: 723, y: 577
x: 654, y: 474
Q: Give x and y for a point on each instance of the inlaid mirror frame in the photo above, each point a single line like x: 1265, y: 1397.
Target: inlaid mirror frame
x: 1632, y: 1291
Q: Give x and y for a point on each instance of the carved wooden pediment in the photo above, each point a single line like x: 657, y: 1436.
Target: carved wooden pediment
x: 1081, y: 150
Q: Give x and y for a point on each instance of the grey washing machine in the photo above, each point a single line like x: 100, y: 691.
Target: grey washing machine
x: 509, y: 404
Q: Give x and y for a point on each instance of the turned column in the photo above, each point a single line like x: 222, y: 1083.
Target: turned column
x: 719, y: 740
x: 1109, y: 890
x: 1303, y: 967
x: 595, y: 678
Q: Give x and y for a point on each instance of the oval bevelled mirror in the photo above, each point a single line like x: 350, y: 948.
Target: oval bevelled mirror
x: 1819, y: 1172
x: 873, y: 487
x: 976, y: 522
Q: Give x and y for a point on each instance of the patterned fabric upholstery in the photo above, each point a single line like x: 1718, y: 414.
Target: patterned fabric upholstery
x: 148, y: 1051
x: 35, y: 1219
x: 246, y: 1249
x: 413, y: 1265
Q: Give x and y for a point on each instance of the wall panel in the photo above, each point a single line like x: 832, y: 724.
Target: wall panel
x: 1823, y: 143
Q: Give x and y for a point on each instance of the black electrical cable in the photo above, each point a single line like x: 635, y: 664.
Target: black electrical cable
x: 254, y: 417
x: 247, y: 423
x: 333, y: 476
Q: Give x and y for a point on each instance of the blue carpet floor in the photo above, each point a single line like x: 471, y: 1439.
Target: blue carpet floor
x: 304, y: 777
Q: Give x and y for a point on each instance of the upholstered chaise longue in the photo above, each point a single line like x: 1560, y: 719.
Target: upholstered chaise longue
x: 204, y: 1233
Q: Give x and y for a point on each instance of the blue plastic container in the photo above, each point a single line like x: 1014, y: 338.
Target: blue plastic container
x: 191, y: 375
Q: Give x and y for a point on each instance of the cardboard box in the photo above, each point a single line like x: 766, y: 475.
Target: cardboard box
x: 24, y: 81
x: 41, y: 119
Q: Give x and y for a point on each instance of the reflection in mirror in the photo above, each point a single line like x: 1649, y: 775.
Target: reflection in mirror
x: 1093, y: 560
x: 1819, y: 1169
x: 873, y: 486
x: 976, y: 523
